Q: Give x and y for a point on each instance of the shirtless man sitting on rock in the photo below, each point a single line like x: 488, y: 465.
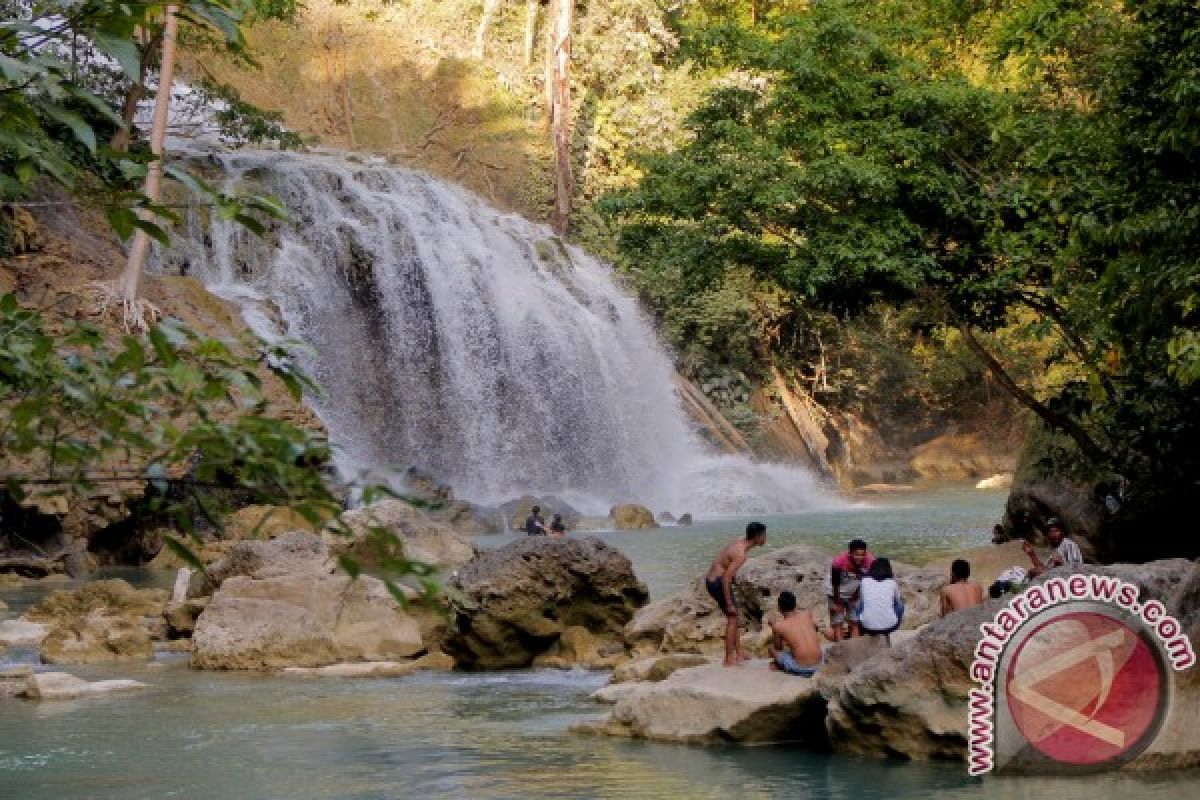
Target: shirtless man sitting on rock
x: 795, y: 648
x: 961, y: 592
x: 719, y: 582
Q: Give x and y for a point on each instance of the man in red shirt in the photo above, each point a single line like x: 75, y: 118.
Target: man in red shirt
x: 845, y: 574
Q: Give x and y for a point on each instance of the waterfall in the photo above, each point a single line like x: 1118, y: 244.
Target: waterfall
x: 465, y: 341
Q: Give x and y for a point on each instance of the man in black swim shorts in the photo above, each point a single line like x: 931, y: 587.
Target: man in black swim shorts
x: 719, y: 582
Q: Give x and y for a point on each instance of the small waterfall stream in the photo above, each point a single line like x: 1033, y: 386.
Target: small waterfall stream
x: 467, y: 342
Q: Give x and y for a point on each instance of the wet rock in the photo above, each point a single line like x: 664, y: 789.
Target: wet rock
x: 21, y: 632
x: 631, y: 517
x: 62, y: 686
x: 362, y: 669
x: 517, y: 601
x: 421, y: 538
x: 684, y: 622
x: 113, y: 596
x: 577, y: 647
x: 181, y: 617
x: 666, y: 518
x: 707, y: 704
x: 302, y: 620
x: 97, y: 638
x: 684, y: 519
x: 13, y: 680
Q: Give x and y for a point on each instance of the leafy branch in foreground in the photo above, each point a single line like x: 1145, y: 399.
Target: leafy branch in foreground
x: 178, y: 423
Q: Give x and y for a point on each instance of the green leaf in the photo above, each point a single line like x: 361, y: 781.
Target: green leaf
x: 124, y: 51
x: 79, y: 127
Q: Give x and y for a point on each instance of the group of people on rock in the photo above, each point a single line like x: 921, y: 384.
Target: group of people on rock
x: 862, y: 595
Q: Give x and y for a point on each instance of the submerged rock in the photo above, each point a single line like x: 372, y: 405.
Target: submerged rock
x: 62, y: 686
x: 516, y: 602
x: 631, y: 517
x: 21, y: 632
x: 100, y: 622
x: 749, y: 704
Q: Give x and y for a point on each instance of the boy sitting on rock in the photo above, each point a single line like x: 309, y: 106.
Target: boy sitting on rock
x: 795, y: 646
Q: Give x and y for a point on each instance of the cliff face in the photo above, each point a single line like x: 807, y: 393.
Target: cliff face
x: 71, y: 248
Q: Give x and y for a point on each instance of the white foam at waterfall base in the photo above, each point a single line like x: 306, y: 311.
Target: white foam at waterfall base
x: 467, y: 342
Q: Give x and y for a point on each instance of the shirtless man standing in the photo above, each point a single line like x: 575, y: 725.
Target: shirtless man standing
x: 795, y: 648
x: 961, y: 592
x: 719, y: 582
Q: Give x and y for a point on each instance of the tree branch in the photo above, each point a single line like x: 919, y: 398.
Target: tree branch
x: 1062, y: 422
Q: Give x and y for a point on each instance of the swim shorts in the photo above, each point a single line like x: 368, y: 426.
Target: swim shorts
x: 716, y: 589
x: 849, y: 611
x: 787, y: 663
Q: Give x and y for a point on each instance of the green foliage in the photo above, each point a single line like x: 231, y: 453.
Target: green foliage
x: 176, y: 415
x: 862, y: 155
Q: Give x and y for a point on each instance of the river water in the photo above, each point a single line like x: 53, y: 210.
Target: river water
x: 500, y: 735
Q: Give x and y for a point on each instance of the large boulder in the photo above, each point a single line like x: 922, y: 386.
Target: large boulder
x: 97, y: 638
x: 708, y: 704
x: 631, y: 517
x: 910, y: 701
x: 516, y: 602
x: 685, y: 622
x: 303, y: 620
x: 421, y: 538
x: 291, y: 554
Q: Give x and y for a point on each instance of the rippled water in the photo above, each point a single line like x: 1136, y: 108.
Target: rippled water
x: 502, y: 735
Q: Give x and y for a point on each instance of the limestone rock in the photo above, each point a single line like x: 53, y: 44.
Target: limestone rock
x: 62, y: 686
x: 113, y: 596
x: 517, y: 601
x: 97, y: 638
x: 748, y: 704
x: 684, y: 622
x: 21, y: 632
x: 666, y: 518
x: 631, y: 517
x: 361, y: 669
x: 577, y: 647
x: 424, y: 539
x: 656, y: 668
x: 292, y: 554
x: 181, y: 617
x: 13, y: 680
x: 684, y: 519
x: 1001, y: 480
x: 264, y: 522
x: 960, y: 456
x: 304, y: 620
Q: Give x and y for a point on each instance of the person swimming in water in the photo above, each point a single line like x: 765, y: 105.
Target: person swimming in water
x: 719, y: 582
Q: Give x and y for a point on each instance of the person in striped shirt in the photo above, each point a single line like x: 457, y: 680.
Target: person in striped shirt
x: 1066, y: 552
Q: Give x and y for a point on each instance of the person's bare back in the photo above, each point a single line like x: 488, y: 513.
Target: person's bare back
x: 798, y: 631
x: 959, y: 595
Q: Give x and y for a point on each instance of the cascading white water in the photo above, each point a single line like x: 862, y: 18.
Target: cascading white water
x: 467, y: 342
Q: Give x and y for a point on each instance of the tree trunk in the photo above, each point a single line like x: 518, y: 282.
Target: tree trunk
x: 489, y: 13
x: 560, y: 117
x: 137, y: 92
x: 531, y: 15
x: 551, y: 41
x: 128, y: 283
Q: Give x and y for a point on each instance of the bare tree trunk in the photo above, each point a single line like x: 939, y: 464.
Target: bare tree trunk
x: 531, y: 15
x: 137, y: 91
x: 489, y: 13
x: 560, y: 117
x: 128, y: 283
x: 551, y: 41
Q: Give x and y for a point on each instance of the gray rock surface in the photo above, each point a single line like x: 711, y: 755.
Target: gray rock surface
x: 515, y: 603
